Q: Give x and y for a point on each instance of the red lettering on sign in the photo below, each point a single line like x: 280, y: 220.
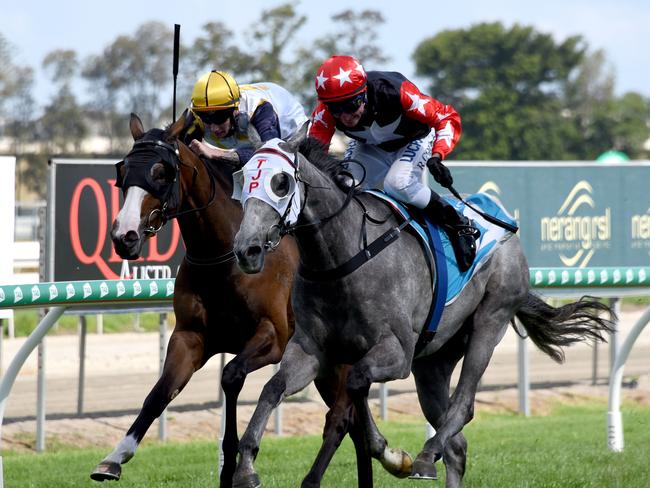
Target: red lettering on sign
x: 115, y: 209
x: 254, y: 184
x: 102, y: 226
x: 257, y: 176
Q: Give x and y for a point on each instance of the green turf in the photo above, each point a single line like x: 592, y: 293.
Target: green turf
x: 564, y: 449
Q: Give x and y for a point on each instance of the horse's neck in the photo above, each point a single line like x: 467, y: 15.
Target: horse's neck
x: 210, y: 231
x: 331, y: 243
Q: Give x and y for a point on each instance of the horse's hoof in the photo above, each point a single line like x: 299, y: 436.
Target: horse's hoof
x: 423, y: 470
x: 397, y: 462
x: 250, y: 481
x: 107, y: 470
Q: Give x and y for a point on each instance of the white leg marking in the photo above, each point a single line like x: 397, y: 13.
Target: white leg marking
x: 123, y: 451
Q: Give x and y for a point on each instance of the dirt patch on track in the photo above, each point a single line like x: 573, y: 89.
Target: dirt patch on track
x: 298, y: 417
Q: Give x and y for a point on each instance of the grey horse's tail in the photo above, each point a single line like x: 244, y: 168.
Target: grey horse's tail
x: 552, y: 328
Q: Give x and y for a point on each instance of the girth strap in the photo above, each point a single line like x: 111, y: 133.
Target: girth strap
x: 356, y: 261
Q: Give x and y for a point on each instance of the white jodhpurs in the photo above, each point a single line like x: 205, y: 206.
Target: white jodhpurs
x: 401, y: 172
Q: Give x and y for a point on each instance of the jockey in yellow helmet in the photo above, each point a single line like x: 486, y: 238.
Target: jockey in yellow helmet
x: 225, y: 109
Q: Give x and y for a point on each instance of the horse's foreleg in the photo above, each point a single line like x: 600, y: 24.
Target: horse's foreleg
x: 385, y: 361
x: 340, y: 420
x: 297, y: 370
x: 262, y: 349
x: 184, y: 356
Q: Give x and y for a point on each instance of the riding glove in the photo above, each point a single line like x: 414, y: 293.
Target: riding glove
x: 440, y: 172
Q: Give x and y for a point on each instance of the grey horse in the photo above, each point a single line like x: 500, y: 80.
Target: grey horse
x: 372, y: 317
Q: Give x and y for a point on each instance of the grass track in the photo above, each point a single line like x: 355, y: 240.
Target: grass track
x: 565, y: 450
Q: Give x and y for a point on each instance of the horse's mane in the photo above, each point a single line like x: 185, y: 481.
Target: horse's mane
x: 218, y: 169
x: 317, y: 154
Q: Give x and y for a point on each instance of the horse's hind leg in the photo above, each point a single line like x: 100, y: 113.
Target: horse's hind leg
x: 297, y: 370
x: 340, y: 420
x: 262, y: 349
x: 185, y: 354
x: 487, y: 329
x: 432, y: 377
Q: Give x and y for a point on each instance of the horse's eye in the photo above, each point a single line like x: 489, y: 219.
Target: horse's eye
x: 161, y: 174
x: 281, y: 184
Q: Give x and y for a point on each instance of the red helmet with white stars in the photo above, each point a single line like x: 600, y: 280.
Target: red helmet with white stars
x: 340, y: 77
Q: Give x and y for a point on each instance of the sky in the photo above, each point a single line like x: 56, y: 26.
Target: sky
x: 620, y: 28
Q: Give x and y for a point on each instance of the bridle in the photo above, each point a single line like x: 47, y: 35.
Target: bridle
x: 154, y: 147
x: 169, y: 154
x: 277, y: 231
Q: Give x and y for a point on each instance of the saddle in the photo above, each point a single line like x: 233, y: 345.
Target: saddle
x: 447, y: 280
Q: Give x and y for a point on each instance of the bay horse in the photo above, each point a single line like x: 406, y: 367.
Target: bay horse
x: 218, y: 308
x: 371, y: 316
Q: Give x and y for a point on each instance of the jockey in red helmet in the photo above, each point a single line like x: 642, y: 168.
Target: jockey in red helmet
x: 396, y: 131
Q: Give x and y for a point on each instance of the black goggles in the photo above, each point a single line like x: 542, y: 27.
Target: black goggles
x: 348, y: 106
x: 217, y: 117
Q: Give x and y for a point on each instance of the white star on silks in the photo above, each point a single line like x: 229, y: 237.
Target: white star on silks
x: 446, y: 134
x: 417, y: 102
x: 320, y: 80
x: 376, y: 134
x: 318, y: 117
x: 343, y: 76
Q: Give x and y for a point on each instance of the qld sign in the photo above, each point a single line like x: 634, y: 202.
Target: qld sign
x: 571, y: 214
x: 82, y: 204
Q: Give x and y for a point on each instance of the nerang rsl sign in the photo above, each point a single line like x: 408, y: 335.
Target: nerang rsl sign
x: 82, y: 204
x: 571, y: 214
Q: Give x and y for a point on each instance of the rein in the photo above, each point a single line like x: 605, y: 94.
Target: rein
x: 367, y: 252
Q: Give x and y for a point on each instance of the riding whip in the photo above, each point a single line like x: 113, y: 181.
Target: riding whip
x: 177, y: 35
x: 490, y: 218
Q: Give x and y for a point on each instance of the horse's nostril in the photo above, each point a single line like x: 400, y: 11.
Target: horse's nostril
x: 131, y: 237
x: 253, y: 251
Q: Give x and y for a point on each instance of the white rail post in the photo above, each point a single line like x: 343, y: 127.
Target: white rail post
x: 614, y: 418
x: 19, y: 359
x: 162, y: 420
x: 524, y: 376
x: 40, y: 397
x: 83, y: 329
x: 383, y: 401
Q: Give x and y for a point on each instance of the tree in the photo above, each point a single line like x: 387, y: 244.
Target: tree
x: 62, y: 127
x: 17, y: 120
x: 131, y: 76
x: 217, y: 49
x: 271, y: 36
x: 523, y: 96
x: 507, y: 84
x: 356, y: 35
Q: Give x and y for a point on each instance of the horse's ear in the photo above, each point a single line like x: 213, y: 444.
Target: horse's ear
x: 293, y: 143
x: 135, y: 124
x: 180, y: 126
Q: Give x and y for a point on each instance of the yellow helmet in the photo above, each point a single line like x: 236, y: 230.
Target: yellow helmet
x: 216, y: 90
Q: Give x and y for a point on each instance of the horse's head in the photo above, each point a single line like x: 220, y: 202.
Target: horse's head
x: 148, y: 176
x: 270, y: 194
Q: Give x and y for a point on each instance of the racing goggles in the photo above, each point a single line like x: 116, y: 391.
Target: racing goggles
x: 348, y: 106
x: 216, y: 117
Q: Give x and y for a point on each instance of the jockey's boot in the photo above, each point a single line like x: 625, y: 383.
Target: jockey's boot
x: 460, y: 229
